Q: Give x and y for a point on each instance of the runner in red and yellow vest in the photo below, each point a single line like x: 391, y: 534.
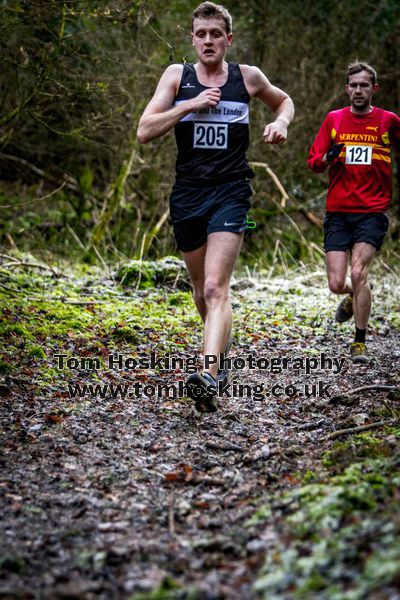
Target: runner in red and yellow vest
x: 355, y: 143
x: 360, y: 180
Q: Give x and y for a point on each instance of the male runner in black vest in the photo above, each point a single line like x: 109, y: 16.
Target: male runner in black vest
x: 208, y: 105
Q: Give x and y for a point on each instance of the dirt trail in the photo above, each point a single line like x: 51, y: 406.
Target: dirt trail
x: 109, y: 497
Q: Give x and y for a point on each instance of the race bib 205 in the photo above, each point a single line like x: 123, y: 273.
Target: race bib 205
x: 211, y: 136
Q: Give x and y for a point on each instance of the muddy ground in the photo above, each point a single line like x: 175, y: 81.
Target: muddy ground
x: 143, y: 497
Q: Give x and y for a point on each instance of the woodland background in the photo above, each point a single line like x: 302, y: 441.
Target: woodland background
x: 76, y: 76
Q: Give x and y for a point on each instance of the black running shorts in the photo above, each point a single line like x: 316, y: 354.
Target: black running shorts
x: 343, y: 230
x: 197, y: 212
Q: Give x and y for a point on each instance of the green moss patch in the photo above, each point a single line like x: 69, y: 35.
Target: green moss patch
x: 338, y: 534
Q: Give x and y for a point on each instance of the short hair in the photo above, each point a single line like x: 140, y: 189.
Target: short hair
x: 357, y: 67
x: 209, y: 10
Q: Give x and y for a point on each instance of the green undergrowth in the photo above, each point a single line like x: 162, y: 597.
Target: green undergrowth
x: 85, y: 313
x: 91, y: 312
x: 340, y: 529
x: 88, y: 312
x: 364, y: 445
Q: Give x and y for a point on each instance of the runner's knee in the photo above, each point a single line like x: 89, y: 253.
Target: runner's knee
x: 359, y: 275
x: 215, y: 291
x: 337, y: 286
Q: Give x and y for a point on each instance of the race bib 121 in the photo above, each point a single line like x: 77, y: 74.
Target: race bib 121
x: 358, y: 155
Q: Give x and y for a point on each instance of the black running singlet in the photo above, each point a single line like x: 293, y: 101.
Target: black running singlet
x: 213, y: 141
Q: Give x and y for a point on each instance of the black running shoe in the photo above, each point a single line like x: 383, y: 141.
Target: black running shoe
x: 224, y: 374
x: 344, y: 311
x: 202, y: 388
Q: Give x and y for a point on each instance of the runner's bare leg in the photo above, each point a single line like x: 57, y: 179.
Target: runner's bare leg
x: 336, y: 265
x: 210, y: 268
x: 361, y: 259
x: 222, y: 252
x: 194, y: 261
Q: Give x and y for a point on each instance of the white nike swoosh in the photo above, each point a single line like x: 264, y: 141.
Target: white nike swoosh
x: 230, y: 224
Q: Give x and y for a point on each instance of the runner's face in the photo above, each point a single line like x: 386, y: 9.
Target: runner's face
x: 210, y: 40
x: 360, y: 91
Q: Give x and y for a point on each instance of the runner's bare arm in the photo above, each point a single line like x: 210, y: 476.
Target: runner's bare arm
x: 160, y: 115
x: 276, y: 99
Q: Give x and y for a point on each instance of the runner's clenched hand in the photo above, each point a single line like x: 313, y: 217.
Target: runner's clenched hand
x: 209, y: 97
x: 275, y: 132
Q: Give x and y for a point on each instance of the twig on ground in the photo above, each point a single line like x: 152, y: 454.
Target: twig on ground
x: 207, y: 480
x: 381, y: 388
x: 79, y: 302
x: 350, y: 430
x: 20, y: 263
x: 228, y: 446
x: 9, y: 257
x: 171, y: 514
x: 85, y: 302
x: 311, y: 426
x: 8, y: 289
